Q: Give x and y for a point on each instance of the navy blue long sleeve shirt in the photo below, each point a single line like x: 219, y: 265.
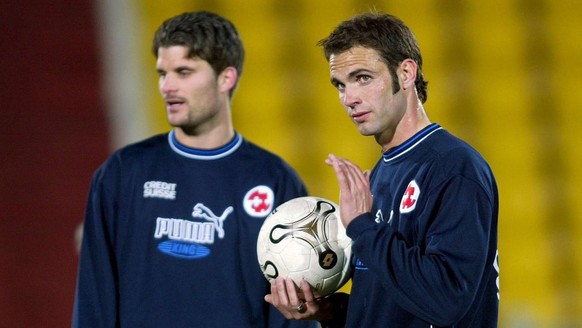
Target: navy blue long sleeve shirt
x: 426, y: 255
x: 170, y: 237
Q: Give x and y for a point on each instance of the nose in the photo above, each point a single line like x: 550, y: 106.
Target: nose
x: 167, y: 84
x: 349, y: 97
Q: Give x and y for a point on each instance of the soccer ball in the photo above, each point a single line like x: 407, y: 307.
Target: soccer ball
x: 304, y: 238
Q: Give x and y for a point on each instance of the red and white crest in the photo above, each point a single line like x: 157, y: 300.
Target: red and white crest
x: 258, y: 201
x: 408, y: 202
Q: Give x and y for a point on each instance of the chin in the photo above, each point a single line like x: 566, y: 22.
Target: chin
x: 365, y: 132
x: 175, y: 121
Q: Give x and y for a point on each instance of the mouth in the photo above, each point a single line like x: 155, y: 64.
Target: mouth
x: 360, y: 117
x: 173, y: 104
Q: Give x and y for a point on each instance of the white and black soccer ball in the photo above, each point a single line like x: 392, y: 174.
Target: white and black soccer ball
x: 304, y: 238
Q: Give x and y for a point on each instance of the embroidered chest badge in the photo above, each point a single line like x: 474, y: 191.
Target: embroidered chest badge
x: 258, y: 201
x: 410, y: 197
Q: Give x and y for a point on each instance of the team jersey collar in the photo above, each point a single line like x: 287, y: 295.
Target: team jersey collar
x: 204, y: 154
x: 409, y: 144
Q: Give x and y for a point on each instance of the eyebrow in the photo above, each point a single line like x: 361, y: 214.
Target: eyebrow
x: 177, y: 69
x: 352, y: 74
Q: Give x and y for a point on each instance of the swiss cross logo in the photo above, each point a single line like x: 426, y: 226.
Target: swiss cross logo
x: 408, y: 202
x: 258, y: 201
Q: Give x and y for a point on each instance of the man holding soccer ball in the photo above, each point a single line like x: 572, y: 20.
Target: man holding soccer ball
x: 424, y: 221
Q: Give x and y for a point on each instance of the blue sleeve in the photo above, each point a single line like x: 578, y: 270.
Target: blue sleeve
x: 339, y: 302
x: 438, y: 280
x: 96, y: 298
x: 293, y: 186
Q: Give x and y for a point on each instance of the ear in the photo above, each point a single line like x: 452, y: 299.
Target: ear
x: 227, y: 79
x: 407, y: 73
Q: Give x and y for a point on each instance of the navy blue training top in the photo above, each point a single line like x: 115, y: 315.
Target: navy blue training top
x: 170, y: 237
x: 426, y: 255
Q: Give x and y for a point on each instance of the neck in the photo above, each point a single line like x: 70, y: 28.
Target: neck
x: 411, y: 123
x: 211, y: 139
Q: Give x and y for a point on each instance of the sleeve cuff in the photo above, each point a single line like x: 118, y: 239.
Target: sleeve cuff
x: 360, y: 224
x: 339, y: 303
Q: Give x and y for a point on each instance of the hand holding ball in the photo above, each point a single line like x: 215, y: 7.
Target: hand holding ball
x: 304, y: 238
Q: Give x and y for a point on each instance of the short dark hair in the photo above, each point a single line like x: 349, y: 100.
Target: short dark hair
x: 386, y: 34
x: 208, y: 36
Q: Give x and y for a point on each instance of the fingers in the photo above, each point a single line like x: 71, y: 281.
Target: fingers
x: 285, y: 298
x: 367, y: 174
x: 349, y: 175
x: 279, y: 293
x: 355, y: 195
x: 292, y: 302
x: 307, y: 292
x: 293, y: 298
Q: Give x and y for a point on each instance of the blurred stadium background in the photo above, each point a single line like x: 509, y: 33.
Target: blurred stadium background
x: 79, y: 82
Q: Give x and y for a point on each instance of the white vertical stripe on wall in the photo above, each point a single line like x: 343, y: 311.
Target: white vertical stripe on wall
x: 122, y: 71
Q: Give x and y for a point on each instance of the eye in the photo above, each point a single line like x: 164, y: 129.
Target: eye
x: 364, y: 78
x: 184, y: 72
x: 338, y: 85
